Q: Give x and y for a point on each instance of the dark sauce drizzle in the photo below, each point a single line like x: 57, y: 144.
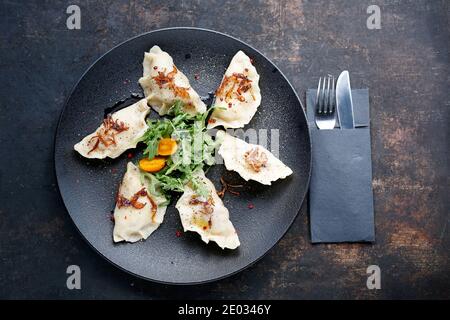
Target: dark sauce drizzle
x: 134, y: 97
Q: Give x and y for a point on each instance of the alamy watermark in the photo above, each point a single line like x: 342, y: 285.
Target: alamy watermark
x: 73, y: 21
x: 193, y: 149
x: 74, y: 279
x: 374, y: 278
x: 374, y: 19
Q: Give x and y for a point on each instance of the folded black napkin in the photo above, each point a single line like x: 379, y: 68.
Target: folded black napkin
x: 341, y: 198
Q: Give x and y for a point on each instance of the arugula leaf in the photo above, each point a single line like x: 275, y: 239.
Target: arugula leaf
x: 195, y: 148
x: 154, y: 187
x: 199, y: 187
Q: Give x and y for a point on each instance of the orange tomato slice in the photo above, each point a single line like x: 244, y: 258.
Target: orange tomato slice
x: 167, y: 147
x: 153, y: 165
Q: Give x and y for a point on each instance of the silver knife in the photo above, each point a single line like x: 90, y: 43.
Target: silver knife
x: 344, y: 101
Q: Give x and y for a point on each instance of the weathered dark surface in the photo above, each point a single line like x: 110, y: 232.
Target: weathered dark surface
x: 405, y: 65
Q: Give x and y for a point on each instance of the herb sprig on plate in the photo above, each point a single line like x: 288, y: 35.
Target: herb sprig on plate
x: 195, y: 149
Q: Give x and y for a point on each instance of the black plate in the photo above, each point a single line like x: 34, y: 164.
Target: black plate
x: 88, y: 187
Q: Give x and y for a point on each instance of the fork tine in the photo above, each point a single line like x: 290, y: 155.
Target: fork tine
x: 333, y: 96
x: 322, y: 100
x: 318, y: 96
x: 327, y: 105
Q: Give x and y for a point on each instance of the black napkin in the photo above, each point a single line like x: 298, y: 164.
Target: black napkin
x: 341, y: 198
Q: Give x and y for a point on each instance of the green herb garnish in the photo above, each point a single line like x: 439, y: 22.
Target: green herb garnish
x: 195, y: 149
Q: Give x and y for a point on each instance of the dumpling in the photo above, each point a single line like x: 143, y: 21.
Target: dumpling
x: 207, y: 215
x: 163, y: 84
x: 138, y: 211
x: 118, y: 132
x: 251, y: 161
x: 238, y: 96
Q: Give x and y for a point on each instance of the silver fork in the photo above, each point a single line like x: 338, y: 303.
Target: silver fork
x: 325, y: 115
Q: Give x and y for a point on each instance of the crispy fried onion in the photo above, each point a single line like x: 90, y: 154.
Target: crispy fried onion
x: 106, y: 135
x: 161, y: 79
x: 121, y: 201
x: 207, y: 206
x: 256, y: 159
x: 228, y: 187
x: 236, y: 84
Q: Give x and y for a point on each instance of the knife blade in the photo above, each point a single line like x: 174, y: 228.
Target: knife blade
x: 344, y: 101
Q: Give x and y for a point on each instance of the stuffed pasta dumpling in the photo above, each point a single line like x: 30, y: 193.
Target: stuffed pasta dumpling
x: 164, y: 84
x: 238, y: 96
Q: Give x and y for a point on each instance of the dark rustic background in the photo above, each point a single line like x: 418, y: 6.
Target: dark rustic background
x: 405, y: 64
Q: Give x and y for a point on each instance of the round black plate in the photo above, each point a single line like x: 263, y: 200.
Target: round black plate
x: 88, y: 187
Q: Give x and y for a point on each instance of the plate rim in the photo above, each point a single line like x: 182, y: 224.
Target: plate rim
x: 303, y: 196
